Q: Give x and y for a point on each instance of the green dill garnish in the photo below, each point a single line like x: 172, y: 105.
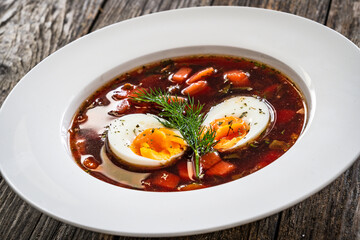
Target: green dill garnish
x: 243, y: 114
x: 104, y: 134
x: 253, y: 145
x: 185, y: 116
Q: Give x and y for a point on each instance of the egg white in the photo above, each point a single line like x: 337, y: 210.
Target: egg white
x: 122, y: 132
x: 254, y: 111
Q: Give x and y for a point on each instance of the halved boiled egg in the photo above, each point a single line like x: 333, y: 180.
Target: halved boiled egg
x: 140, y: 140
x: 238, y: 121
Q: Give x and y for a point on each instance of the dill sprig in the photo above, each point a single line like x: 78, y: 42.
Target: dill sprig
x: 186, y: 117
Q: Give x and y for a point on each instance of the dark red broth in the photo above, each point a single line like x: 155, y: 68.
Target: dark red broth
x: 87, y: 133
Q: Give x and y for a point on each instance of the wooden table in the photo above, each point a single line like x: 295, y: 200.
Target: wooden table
x: 30, y: 30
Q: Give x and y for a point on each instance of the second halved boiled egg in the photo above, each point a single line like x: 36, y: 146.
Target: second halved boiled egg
x: 140, y: 140
x: 238, y: 121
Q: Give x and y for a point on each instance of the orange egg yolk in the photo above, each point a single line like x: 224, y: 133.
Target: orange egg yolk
x: 158, y: 144
x: 229, y: 130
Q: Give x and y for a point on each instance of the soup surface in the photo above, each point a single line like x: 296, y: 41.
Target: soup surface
x: 187, y: 123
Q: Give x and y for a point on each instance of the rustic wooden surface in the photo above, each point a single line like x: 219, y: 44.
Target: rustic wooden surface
x: 30, y: 30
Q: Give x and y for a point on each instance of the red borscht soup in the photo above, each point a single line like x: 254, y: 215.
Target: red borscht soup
x: 187, y: 123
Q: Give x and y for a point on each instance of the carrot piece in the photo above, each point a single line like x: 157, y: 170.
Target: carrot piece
x: 238, y: 78
x: 200, y: 75
x: 122, y: 106
x: 183, y: 170
x: 191, y: 186
x: 195, y: 88
x: 91, y: 163
x: 176, y: 99
x: 284, y: 115
x: 134, y: 92
x: 270, y: 91
x: 222, y: 168
x: 123, y: 91
x: 181, y: 75
x: 165, y: 179
x: 209, y: 159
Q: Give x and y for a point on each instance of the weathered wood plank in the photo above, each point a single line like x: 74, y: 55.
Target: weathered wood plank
x: 116, y: 11
x: 30, y: 31
x: 49, y: 228
x: 16, y: 216
x: 344, y: 17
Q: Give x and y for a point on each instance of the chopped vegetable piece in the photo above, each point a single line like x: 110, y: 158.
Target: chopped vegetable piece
x: 200, y: 75
x: 176, y: 99
x: 134, y: 93
x: 181, y: 75
x: 280, y: 145
x: 195, y: 88
x: 270, y: 91
x: 301, y: 111
x: 238, y: 78
x: 222, y: 168
x: 164, y: 179
x: 122, y: 106
x: 91, y: 163
x: 191, y: 186
x: 285, y: 115
x: 123, y: 91
x: 184, y: 171
x: 209, y: 159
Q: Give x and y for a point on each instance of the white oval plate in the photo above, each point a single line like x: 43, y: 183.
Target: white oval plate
x: 34, y: 117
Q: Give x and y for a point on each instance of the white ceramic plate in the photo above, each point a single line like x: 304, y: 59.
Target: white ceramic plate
x: 35, y: 116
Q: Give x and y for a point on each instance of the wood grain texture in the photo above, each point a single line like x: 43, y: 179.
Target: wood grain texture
x: 31, y: 30
x: 116, y: 11
x: 344, y: 17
